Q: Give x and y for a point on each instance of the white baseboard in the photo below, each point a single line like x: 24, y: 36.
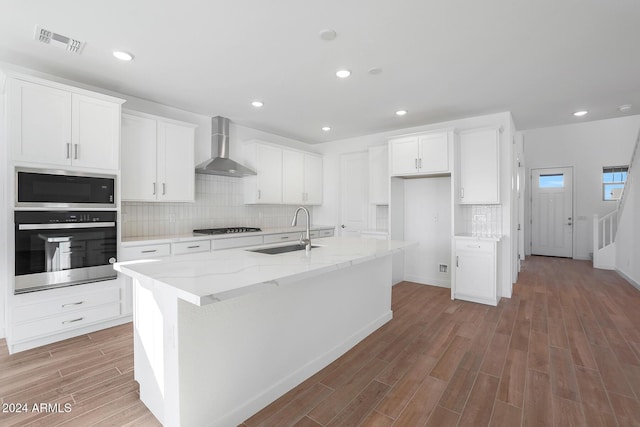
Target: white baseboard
x: 629, y: 279
x: 428, y: 281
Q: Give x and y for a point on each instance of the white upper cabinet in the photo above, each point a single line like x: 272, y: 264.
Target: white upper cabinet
x: 62, y: 126
x: 479, y: 167
x: 425, y: 154
x: 301, y: 178
x: 312, y: 179
x: 266, y: 186
x: 283, y: 176
x: 157, y: 159
x: 379, y: 175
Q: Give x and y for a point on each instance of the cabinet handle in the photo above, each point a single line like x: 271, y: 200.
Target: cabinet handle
x: 149, y: 251
x: 474, y: 246
x: 154, y: 188
x: 72, y: 303
x: 284, y: 238
x: 415, y: 163
x: 420, y: 163
x: 164, y: 188
x: 75, y: 151
x: 259, y: 194
x: 461, y: 192
x: 68, y: 150
x: 457, y: 264
x: 74, y: 320
x: 193, y: 247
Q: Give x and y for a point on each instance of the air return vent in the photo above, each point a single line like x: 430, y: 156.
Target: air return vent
x: 49, y: 37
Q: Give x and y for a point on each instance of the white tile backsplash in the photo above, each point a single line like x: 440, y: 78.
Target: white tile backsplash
x: 481, y: 220
x: 219, y: 203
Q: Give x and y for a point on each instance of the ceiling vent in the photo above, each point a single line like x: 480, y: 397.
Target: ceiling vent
x: 55, y: 39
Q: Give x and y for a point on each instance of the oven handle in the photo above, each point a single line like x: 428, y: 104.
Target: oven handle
x: 66, y: 226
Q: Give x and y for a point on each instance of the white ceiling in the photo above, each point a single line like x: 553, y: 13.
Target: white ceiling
x: 441, y: 59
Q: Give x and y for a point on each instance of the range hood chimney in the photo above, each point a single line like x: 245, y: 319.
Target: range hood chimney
x: 222, y: 164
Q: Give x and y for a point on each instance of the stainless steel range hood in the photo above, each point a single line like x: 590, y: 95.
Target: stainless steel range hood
x: 222, y: 164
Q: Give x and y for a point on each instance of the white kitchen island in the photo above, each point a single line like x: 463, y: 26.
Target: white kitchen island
x: 220, y: 335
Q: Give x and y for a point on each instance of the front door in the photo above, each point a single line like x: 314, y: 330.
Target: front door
x: 552, y: 212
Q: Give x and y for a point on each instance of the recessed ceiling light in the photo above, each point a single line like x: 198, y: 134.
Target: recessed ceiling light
x: 375, y: 70
x: 580, y: 113
x: 625, y: 107
x: 326, y: 128
x: 401, y: 112
x: 122, y: 55
x: 328, y: 34
x: 257, y: 104
x: 343, y: 73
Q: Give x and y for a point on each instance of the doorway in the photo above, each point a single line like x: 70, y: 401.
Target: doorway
x: 552, y: 212
x: 354, y: 192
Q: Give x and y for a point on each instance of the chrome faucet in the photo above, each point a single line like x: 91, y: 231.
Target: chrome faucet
x: 307, y: 240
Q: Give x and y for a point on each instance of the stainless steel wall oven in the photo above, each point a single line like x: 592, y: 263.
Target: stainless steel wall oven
x: 63, y: 248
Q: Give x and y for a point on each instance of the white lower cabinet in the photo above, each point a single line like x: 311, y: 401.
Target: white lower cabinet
x: 40, y: 318
x: 476, y: 270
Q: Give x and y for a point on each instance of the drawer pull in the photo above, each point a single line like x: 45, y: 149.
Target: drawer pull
x: 149, y: 251
x: 284, y: 237
x: 193, y: 247
x: 73, y: 320
x: 474, y: 246
x: 72, y: 303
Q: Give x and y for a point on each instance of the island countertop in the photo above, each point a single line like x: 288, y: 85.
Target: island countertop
x: 207, y: 277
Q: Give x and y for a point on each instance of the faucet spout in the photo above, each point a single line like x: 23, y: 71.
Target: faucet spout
x: 307, y: 238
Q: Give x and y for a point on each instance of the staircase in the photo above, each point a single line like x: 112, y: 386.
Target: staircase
x: 606, y: 227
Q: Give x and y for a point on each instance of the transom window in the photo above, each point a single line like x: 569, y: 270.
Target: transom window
x: 613, y: 179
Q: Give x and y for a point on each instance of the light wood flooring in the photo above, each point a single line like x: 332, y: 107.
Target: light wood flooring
x: 565, y: 350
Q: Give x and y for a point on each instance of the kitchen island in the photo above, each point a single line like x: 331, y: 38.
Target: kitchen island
x: 220, y: 335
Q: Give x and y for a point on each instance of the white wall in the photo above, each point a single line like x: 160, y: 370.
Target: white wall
x: 628, y: 237
x: 587, y: 147
x: 5, y: 276
x: 329, y: 212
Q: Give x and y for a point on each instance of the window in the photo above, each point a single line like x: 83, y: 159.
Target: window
x: 613, y: 179
x: 551, y: 181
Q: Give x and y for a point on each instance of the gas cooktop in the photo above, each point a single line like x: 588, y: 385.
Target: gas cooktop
x: 226, y: 230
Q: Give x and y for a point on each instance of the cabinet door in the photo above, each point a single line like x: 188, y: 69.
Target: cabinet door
x: 404, y: 156
x: 474, y: 275
x: 312, y: 179
x: 95, y: 132
x: 479, y: 167
x: 293, y: 177
x: 434, y: 153
x: 138, y: 174
x: 379, y: 175
x: 269, y: 174
x: 39, y: 123
x: 176, y: 165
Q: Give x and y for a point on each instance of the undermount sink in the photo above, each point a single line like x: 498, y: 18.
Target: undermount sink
x: 280, y: 249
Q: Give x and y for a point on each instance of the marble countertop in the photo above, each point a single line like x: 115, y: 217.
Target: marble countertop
x: 207, y: 277
x: 153, y: 240
x: 493, y: 238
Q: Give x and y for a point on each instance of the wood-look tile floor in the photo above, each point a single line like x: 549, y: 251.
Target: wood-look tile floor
x: 565, y: 350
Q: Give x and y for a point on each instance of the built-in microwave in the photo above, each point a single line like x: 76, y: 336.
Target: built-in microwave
x: 52, y: 188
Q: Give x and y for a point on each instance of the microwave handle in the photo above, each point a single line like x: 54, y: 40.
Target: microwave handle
x: 66, y: 226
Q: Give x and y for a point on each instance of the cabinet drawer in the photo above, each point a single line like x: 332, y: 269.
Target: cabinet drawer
x: 326, y: 233
x: 190, y: 247
x: 146, y: 251
x: 72, y: 303
x: 474, y: 245
x: 282, y: 237
x: 55, y: 324
x: 236, y: 242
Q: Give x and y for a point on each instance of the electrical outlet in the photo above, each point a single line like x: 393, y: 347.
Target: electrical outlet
x: 442, y: 268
